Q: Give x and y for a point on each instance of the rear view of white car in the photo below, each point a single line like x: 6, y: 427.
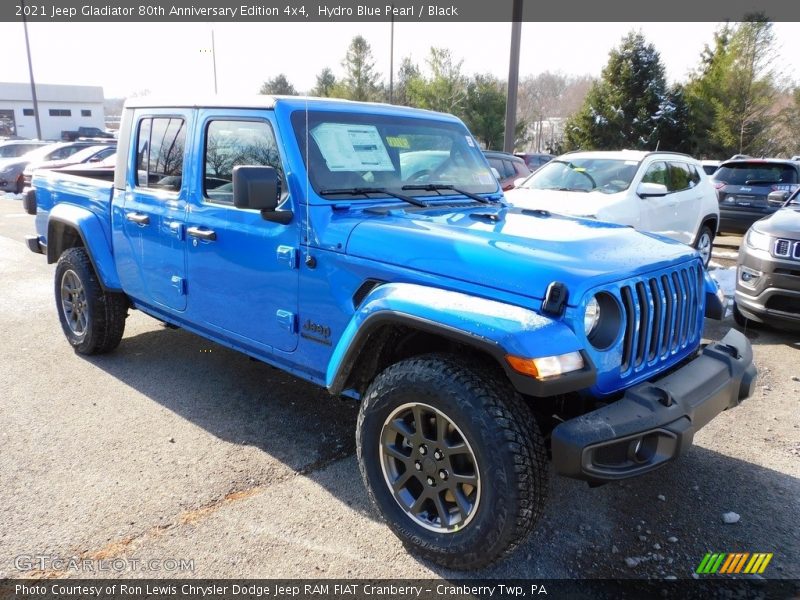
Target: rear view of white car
x: 660, y: 192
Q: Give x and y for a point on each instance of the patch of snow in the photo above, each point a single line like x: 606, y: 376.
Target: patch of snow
x: 726, y: 279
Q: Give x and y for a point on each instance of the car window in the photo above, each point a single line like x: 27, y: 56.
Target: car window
x: 344, y: 151
x: 231, y: 144
x: 160, y: 146
x: 656, y: 173
x: 569, y: 173
x: 679, y: 178
x: 756, y: 173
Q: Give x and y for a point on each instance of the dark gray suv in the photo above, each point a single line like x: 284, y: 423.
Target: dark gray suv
x: 768, y: 271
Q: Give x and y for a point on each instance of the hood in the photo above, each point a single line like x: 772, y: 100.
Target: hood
x: 785, y: 222
x: 511, y: 249
x: 578, y: 204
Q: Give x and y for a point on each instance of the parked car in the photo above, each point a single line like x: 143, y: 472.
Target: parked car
x: 509, y: 167
x: 768, y: 268
x: 11, y: 169
x: 479, y: 339
x: 90, y: 154
x: 710, y: 166
x: 534, y: 160
x: 16, y: 148
x: 85, y: 132
x: 743, y: 186
x: 660, y: 192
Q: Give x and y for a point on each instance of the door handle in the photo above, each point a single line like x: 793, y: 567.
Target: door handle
x: 203, y: 234
x: 138, y: 218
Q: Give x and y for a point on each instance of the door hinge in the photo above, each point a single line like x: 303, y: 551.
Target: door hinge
x: 179, y: 283
x: 287, y: 320
x: 288, y: 256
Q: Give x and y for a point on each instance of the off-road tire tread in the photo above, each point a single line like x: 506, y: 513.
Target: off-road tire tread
x: 108, y: 310
x: 510, y: 415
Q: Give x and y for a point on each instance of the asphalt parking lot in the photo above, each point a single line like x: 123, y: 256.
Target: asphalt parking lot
x: 173, y: 448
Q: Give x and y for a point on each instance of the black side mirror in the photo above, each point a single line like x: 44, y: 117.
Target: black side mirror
x: 259, y: 188
x: 778, y: 197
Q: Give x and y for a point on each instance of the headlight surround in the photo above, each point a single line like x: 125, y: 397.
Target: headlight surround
x: 757, y: 240
x: 591, y: 316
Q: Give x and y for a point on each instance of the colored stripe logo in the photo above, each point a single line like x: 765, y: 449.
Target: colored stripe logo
x: 728, y: 563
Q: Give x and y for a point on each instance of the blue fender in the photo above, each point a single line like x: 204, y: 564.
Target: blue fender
x: 495, y: 327
x: 90, y: 228
x: 715, y: 298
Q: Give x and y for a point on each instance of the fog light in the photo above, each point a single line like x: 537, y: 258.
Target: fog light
x: 749, y: 277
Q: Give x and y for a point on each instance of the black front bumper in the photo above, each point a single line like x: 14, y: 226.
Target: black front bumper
x: 655, y: 421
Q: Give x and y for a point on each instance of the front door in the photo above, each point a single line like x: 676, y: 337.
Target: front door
x: 659, y: 213
x: 242, y: 269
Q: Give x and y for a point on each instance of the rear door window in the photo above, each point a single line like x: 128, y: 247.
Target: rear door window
x: 160, y: 148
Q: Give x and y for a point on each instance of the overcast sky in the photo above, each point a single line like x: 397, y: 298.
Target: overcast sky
x: 168, y: 58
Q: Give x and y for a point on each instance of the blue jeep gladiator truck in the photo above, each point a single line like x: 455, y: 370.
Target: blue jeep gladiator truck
x: 367, y: 248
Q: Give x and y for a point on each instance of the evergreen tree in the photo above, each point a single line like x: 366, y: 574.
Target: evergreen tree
x: 630, y: 106
x: 361, y: 81
x: 278, y: 86
x: 733, y: 94
x: 326, y: 83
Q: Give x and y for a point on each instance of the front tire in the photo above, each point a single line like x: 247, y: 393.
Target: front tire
x: 93, y: 320
x: 705, y: 243
x: 452, y: 458
x: 741, y: 320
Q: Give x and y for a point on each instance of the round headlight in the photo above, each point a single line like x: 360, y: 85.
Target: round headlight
x: 592, y: 316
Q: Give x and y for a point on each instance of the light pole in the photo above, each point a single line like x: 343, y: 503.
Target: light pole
x: 214, y: 60
x: 30, y: 71
x: 513, y: 77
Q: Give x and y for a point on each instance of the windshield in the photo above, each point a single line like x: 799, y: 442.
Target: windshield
x: 757, y: 173
x: 347, y: 151
x: 605, y: 175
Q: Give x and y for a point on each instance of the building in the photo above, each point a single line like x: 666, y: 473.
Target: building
x: 61, y: 107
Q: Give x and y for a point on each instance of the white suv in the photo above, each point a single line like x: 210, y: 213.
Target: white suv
x: 660, y: 192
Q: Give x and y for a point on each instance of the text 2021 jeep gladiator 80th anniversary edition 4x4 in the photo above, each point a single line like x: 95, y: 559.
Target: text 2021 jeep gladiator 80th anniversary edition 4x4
x: 367, y: 248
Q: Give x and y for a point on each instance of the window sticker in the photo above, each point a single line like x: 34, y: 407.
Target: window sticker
x: 397, y: 142
x: 348, y: 147
x: 486, y: 177
x: 470, y: 141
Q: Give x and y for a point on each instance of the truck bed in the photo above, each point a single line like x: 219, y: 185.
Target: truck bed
x: 91, y: 190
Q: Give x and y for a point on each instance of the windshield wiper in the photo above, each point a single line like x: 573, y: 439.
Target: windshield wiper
x: 438, y: 187
x: 567, y: 189
x: 366, y: 191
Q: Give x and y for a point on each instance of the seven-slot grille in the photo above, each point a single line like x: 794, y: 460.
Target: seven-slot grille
x: 661, y: 315
x: 787, y: 249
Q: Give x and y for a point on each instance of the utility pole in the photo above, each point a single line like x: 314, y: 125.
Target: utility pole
x: 30, y: 71
x: 391, y: 60
x: 214, y: 60
x: 513, y: 76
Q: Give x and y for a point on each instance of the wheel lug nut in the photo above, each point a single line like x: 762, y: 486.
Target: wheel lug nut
x: 438, y: 455
x: 443, y: 475
x: 431, y: 481
x: 423, y: 450
x: 418, y: 466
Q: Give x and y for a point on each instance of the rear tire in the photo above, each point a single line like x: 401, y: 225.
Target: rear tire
x: 93, y: 320
x: 464, y: 454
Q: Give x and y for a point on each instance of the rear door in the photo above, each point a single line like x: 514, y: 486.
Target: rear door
x: 687, y: 199
x: 151, y: 253
x: 243, y: 269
